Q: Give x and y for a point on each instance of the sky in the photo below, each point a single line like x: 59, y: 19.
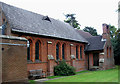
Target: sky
x: 91, y: 13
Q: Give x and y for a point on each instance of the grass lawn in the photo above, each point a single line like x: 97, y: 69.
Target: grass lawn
x: 51, y: 77
x: 110, y: 75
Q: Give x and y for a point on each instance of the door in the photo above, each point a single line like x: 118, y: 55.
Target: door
x: 96, y: 59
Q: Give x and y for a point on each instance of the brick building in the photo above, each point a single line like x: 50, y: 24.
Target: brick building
x: 50, y: 41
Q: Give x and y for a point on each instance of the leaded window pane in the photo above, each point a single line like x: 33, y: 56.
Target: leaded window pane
x: 37, y: 50
x: 63, y: 52
x: 57, y: 51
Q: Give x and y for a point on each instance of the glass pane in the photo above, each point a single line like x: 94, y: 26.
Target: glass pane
x: 28, y: 49
x: 63, y: 52
x: 28, y: 53
x: 37, y: 51
x: 81, y: 52
x: 57, y: 51
x: 76, y: 52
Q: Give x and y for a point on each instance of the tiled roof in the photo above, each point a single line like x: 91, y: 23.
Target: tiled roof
x: 95, y: 43
x: 84, y: 34
x: 24, y: 21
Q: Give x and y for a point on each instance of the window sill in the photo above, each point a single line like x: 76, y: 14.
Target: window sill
x: 36, y: 62
x: 79, y: 59
x: 29, y: 61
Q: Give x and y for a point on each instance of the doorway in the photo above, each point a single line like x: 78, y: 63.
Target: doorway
x: 95, y: 59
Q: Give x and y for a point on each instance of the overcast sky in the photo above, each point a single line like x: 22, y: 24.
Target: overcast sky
x: 88, y: 12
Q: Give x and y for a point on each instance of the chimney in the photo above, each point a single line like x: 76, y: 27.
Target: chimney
x: 106, y: 31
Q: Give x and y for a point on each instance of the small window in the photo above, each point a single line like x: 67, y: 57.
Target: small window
x: 110, y: 52
x: 4, y: 26
x: 81, y: 52
x: 37, y: 49
x: 76, y: 52
x: 63, y: 51
x: 107, y: 52
x: 29, y: 47
x: 57, y: 51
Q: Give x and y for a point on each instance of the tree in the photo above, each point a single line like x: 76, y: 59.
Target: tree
x: 115, y: 40
x: 117, y: 47
x: 91, y: 30
x: 112, y: 31
x: 71, y: 19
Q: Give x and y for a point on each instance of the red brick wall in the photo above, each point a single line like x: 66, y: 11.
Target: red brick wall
x: 14, y: 60
x: 50, y: 49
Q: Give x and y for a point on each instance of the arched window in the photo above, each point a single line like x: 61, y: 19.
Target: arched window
x: 29, y: 47
x: 57, y: 51
x: 37, y: 50
x: 81, y: 52
x: 63, y: 51
x: 76, y: 52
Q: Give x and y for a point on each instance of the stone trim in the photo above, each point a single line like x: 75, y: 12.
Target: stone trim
x: 13, y: 37
x: 49, y: 42
x: 12, y: 44
x: 71, y: 44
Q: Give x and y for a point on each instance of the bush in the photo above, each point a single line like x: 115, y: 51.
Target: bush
x: 63, y: 69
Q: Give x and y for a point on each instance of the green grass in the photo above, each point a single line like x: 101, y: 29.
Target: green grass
x: 110, y: 75
x: 81, y: 72
x: 51, y: 77
x: 31, y: 81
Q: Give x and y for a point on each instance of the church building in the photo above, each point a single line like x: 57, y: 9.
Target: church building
x: 50, y: 41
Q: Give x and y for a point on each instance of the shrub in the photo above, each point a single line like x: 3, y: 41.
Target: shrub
x: 64, y: 69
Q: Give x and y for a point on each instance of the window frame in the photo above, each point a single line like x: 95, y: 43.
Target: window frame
x: 77, y: 52
x: 63, y: 50
x: 57, y: 52
x: 81, y: 56
x: 37, y: 51
x: 29, y: 46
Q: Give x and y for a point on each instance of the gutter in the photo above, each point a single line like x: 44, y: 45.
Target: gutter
x: 15, y: 30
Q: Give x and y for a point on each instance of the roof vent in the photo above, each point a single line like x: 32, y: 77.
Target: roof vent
x: 46, y: 18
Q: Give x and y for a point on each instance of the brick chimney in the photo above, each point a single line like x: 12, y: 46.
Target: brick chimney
x: 106, y: 31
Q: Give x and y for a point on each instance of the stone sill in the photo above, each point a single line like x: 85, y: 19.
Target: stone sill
x: 36, y: 62
x: 79, y: 59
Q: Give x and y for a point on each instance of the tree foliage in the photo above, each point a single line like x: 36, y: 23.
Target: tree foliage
x: 112, y: 31
x: 115, y: 39
x: 71, y: 19
x: 63, y: 69
x: 91, y: 30
x: 116, y: 46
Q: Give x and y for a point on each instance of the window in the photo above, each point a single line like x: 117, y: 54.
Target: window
x: 110, y: 52
x: 63, y: 51
x: 80, y: 52
x: 76, y: 52
x: 107, y: 52
x: 37, y: 50
x: 29, y: 47
x: 57, y: 51
x: 4, y: 26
